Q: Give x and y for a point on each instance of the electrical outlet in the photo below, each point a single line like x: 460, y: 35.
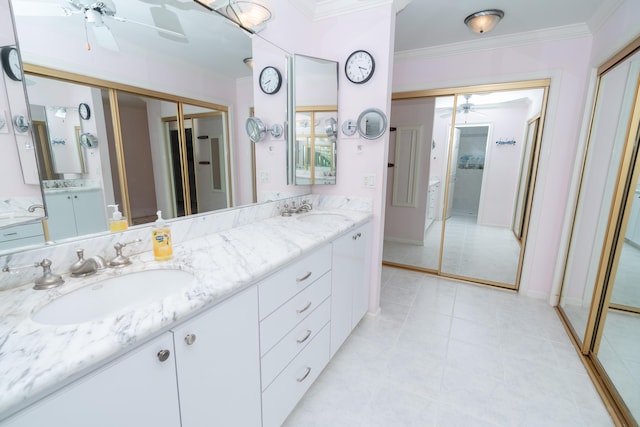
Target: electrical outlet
x: 264, y: 177
x: 369, y: 181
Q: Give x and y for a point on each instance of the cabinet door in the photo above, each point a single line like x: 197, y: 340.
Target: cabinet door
x: 350, y: 284
x: 90, y: 212
x: 135, y: 390
x: 61, y: 218
x: 218, y: 364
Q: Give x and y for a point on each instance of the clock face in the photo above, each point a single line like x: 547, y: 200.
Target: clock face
x: 85, y: 111
x: 270, y: 80
x: 11, y: 63
x: 360, y: 66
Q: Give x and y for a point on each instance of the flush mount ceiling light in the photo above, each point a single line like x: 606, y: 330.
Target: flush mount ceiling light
x: 250, y: 15
x: 483, y: 21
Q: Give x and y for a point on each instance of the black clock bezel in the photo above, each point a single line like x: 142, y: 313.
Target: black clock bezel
x: 6, y: 65
x: 88, y: 110
x: 279, y: 80
x: 373, y: 66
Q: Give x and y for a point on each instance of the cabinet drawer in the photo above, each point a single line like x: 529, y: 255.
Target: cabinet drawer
x: 279, y: 323
x: 21, y: 231
x: 284, y: 393
x: 295, y: 341
x: 277, y: 289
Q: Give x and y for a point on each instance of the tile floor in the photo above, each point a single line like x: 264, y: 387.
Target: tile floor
x: 447, y: 353
x: 471, y: 250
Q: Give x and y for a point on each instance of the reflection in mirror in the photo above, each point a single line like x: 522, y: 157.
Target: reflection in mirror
x: 372, y: 123
x: 460, y: 221
x: 616, y: 90
x: 63, y: 128
x: 600, y: 297
x: 180, y: 70
x: 316, y: 113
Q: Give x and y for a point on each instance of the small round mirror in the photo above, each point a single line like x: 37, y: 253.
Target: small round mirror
x: 372, y: 123
x: 255, y: 129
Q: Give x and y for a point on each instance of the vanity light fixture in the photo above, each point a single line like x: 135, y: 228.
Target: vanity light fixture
x: 484, y: 21
x: 251, y: 15
x: 61, y: 112
x: 248, y: 62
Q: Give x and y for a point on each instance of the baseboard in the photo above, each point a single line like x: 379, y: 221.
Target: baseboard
x: 404, y: 241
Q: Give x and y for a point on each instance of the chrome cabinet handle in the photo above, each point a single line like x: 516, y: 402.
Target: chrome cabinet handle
x: 306, y: 337
x: 302, y: 279
x: 303, y: 309
x: 163, y: 355
x: 356, y: 236
x: 190, y: 339
x: 304, y: 377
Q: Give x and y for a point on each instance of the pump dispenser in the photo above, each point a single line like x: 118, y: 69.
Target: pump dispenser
x: 161, y: 235
x: 117, y: 221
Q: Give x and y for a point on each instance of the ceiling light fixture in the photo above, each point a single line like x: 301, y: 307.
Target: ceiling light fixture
x: 484, y: 21
x: 251, y: 15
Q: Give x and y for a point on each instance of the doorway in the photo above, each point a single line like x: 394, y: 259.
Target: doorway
x: 474, y: 150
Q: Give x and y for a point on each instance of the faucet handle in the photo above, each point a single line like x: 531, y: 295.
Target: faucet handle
x: 48, y: 279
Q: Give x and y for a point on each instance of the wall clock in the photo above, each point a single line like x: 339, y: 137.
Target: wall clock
x: 359, y: 67
x: 11, y: 63
x: 85, y: 111
x: 270, y: 80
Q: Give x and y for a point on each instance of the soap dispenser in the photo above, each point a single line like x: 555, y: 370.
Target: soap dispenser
x: 161, y: 235
x: 117, y: 221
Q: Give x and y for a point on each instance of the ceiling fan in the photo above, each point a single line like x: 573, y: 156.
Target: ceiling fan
x: 464, y: 108
x: 95, y: 15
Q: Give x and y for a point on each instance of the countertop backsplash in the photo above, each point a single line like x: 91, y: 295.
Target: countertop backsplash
x: 63, y: 254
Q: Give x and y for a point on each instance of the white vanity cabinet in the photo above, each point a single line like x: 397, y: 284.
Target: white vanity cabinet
x: 75, y: 213
x: 135, y: 390
x: 294, y: 332
x: 350, y: 284
x: 218, y: 365
x: 21, y: 235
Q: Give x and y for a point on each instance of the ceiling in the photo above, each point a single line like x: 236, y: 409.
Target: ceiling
x: 421, y: 25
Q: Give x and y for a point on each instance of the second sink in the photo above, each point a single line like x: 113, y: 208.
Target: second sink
x: 111, y: 295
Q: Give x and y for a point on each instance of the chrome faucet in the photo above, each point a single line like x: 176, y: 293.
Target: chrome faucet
x: 86, y: 267
x: 287, y: 210
x: 120, y: 260
x: 48, y: 279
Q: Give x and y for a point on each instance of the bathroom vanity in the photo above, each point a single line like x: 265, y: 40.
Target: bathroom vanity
x: 271, y: 303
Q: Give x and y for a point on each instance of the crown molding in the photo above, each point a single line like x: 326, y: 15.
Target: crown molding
x: 323, y: 9
x: 604, y: 11
x: 498, y: 42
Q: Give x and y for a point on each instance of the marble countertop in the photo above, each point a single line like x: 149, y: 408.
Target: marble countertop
x: 36, y: 359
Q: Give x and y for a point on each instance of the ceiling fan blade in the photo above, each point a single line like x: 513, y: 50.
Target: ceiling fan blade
x: 105, y: 38
x: 40, y: 8
x: 153, y: 27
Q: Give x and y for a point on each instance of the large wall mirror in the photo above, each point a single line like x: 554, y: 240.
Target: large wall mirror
x: 600, y: 296
x: 166, y: 112
x: 460, y: 191
x: 315, y: 96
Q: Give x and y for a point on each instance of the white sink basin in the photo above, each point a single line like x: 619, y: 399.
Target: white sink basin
x: 320, y: 217
x: 98, y: 300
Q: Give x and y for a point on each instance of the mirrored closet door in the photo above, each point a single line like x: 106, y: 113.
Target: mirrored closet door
x: 600, y: 297
x: 461, y: 178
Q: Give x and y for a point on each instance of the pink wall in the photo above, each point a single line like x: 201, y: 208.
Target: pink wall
x: 404, y: 223
x: 566, y: 63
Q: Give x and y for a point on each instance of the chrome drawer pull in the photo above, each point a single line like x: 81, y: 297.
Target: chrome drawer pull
x: 306, y: 337
x: 304, y: 377
x: 302, y: 279
x: 303, y: 309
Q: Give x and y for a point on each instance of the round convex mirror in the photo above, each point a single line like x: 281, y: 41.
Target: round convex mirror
x: 255, y: 129
x: 331, y: 128
x: 372, y: 123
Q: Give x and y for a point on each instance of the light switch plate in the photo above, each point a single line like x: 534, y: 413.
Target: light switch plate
x: 369, y: 180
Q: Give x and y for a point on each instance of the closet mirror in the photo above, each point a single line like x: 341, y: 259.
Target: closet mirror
x: 171, y: 102
x: 600, y: 296
x: 315, y: 95
x: 462, y: 179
